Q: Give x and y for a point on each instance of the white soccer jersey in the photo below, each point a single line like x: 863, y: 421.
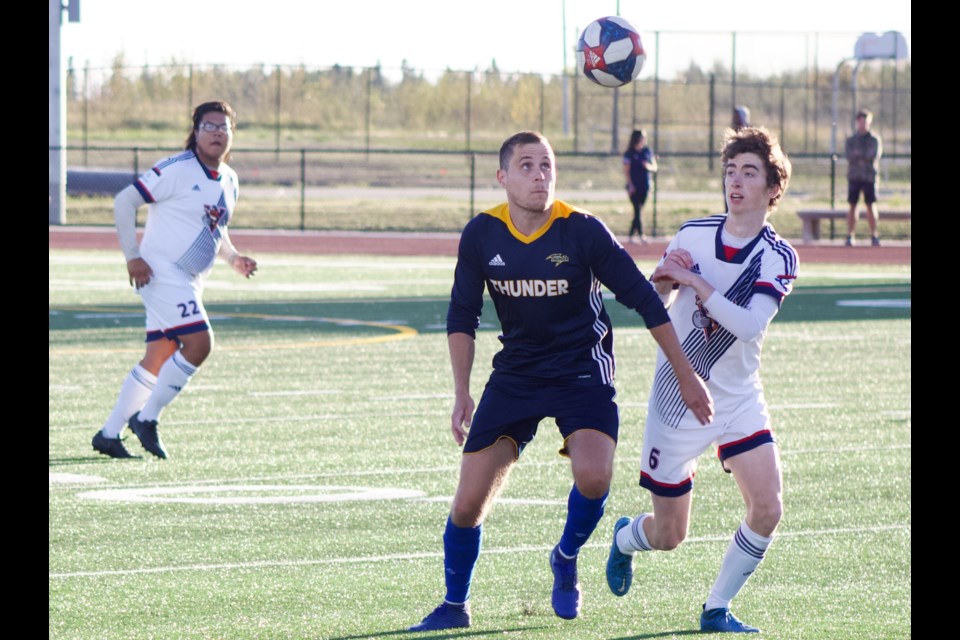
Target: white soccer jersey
x: 189, y: 205
x: 730, y: 366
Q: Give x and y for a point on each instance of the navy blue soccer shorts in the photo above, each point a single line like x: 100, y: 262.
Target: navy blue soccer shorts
x: 868, y: 187
x: 514, y: 410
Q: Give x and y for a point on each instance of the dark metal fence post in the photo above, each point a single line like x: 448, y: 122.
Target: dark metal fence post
x: 712, y: 106
x: 833, y: 180
x: 833, y: 183
x: 614, y: 129
x: 576, y: 113
x: 189, y: 89
x: 733, y: 71
x: 473, y: 183
x: 136, y: 170
x: 366, y: 119
x: 303, y: 189
x: 277, y: 117
x: 542, y: 101
x: 893, y: 147
x: 783, y: 113
x: 86, y: 114
x: 816, y: 89
x: 654, y: 235
x: 469, y: 109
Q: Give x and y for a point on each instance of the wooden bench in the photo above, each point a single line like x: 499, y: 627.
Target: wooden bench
x: 811, y: 220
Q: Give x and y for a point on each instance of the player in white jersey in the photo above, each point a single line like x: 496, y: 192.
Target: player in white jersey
x: 722, y: 279
x: 191, y: 196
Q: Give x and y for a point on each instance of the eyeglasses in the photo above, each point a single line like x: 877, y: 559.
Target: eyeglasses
x: 209, y: 127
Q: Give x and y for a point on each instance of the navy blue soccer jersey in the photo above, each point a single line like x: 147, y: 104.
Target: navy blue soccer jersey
x: 546, y: 289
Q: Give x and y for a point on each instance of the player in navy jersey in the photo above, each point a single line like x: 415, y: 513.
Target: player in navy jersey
x: 723, y: 278
x: 639, y: 165
x: 191, y: 196
x: 542, y: 262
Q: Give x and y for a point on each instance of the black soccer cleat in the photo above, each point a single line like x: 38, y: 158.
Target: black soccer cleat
x: 146, y: 431
x: 112, y: 447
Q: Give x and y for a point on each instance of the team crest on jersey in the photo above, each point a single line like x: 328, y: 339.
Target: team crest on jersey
x: 702, y: 320
x: 214, y: 215
x: 558, y: 259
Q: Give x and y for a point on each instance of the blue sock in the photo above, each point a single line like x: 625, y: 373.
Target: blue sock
x: 461, y: 548
x: 583, y: 514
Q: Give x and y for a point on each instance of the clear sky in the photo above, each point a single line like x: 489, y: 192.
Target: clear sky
x: 521, y: 35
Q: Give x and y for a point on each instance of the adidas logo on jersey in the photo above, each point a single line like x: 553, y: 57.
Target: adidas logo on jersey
x: 497, y: 261
x: 196, y: 187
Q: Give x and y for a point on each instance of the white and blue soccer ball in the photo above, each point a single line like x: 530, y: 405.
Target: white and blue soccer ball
x: 609, y: 52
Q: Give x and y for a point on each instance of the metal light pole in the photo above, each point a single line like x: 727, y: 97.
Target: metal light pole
x: 57, y: 118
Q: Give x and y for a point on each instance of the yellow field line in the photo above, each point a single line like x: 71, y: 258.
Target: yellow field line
x: 402, y: 332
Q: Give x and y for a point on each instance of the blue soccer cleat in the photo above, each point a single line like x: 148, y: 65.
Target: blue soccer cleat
x: 446, y: 616
x: 567, y: 596
x: 146, y: 431
x: 720, y: 620
x: 619, y: 564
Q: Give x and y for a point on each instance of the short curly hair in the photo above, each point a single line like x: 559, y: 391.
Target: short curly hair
x: 760, y: 141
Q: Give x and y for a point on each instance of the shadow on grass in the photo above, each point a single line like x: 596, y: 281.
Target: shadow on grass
x: 96, y: 458
x: 662, y: 634
x: 426, y: 635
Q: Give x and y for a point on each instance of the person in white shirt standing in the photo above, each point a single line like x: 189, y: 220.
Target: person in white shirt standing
x: 191, y: 198
x: 723, y: 279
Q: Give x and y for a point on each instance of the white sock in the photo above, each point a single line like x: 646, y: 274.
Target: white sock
x: 745, y: 552
x: 134, y: 392
x: 173, y: 377
x: 631, y: 538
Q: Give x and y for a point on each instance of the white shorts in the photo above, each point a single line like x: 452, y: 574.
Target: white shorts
x: 174, y: 308
x: 669, y: 459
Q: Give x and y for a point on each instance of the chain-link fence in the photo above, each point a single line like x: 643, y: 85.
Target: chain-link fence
x: 303, y: 131
x: 324, y: 189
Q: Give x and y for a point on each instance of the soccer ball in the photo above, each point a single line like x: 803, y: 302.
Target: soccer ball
x: 609, y: 52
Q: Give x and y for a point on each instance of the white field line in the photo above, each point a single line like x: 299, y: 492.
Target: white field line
x: 67, y: 481
x: 439, y: 554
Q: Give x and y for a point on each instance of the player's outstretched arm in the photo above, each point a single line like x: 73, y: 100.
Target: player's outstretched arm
x: 462, y: 349
x: 693, y: 389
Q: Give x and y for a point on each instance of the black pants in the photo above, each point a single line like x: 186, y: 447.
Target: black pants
x: 637, y: 199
